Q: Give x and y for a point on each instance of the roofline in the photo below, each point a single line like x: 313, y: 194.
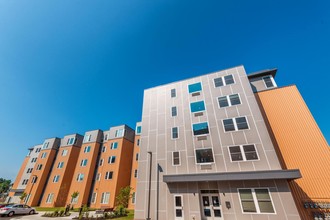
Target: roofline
x: 263, y: 73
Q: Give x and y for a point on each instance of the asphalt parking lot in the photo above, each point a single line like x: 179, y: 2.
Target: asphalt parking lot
x: 37, y: 216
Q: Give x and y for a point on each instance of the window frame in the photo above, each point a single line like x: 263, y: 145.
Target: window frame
x: 176, y: 111
x: 79, y: 179
x: 206, y: 163
x: 83, y: 163
x: 173, y: 93
x: 60, y: 165
x: 50, y: 198
x: 94, y: 197
x: 235, y: 124
x: 138, y: 129
x: 111, y: 158
x: 103, y: 198
x: 114, y: 145
x: 43, y: 155
x: 229, y: 101
x: 87, y: 138
x: 241, y: 147
x: 198, y: 135
x: 224, y: 81
x: 255, y: 201
x: 64, y: 154
x: 108, y: 175
x: 177, y: 133
x: 174, y: 158
x: 56, y: 178
x: 197, y: 111
x: 87, y: 149
x: 271, y: 79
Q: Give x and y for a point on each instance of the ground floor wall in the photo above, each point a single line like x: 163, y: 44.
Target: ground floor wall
x: 197, y: 201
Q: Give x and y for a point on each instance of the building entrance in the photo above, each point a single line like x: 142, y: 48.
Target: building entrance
x: 211, y: 205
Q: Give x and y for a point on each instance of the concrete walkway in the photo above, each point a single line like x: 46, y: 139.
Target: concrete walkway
x: 38, y: 216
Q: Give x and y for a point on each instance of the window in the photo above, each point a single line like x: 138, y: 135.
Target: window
x: 25, y: 181
x: 27, y: 198
x: 43, y: 155
x: 56, y: 178
x: 201, y: 128
x: 39, y: 166
x: 114, y: 145
x: 45, y: 146
x: 204, y: 156
x: 256, y: 200
x: 269, y: 81
x: 175, y: 133
x: 80, y: 177
x: 243, y: 153
x: 93, y: 199
x: 105, y: 198
x: 29, y: 170
x: 176, y: 158
x: 173, y: 93
x: 230, y: 100
x: 112, y: 159
x: 101, y: 162
x: 75, y: 200
x: 197, y: 106
x: 71, y: 141
x: 235, y: 124
x: 60, y: 165
x: 194, y: 88
x: 174, y: 111
x: 133, y: 198
x: 135, y: 173
x: 108, y: 175
x: 137, y: 156
x: 224, y: 80
x: 138, y: 129
x: 50, y: 198
x: 33, y: 160
x: 119, y: 133
x: 138, y: 142
x: 87, y: 138
x: 87, y: 149
x: 34, y: 179
x: 37, y: 150
x: 64, y: 153
x: 83, y: 163
x: 98, y: 176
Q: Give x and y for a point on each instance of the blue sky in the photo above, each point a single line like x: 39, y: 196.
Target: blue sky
x: 72, y: 66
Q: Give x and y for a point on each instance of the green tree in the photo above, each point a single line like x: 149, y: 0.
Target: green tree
x: 23, y: 196
x: 4, y: 186
x: 124, y: 196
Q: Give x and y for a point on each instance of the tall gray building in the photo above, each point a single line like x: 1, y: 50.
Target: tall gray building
x: 206, y: 152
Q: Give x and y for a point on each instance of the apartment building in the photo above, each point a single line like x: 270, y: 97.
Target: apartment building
x: 134, y: 170
x: 206, y: 153
x: 24, y: 175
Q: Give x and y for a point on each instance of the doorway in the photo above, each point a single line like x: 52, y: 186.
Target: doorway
x: 211, y: 205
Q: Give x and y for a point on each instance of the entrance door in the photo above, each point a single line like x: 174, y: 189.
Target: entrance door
x: 211, y: 206
x: 178, y: 207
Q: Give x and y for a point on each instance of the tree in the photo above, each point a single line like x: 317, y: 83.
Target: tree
x: 74, y: 195
x: 23, y: 196
x: 4, y: 186
x: 124, y: 196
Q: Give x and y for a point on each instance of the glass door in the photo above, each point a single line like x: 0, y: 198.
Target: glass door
x: 178, y: 207
x: 211, y: 206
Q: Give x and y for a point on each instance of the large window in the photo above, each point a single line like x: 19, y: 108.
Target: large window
x: 176, y: 158
x: 45, y: 146
x: 43, y: 155
x: 87, y: 138
x: 83, y: 163
x: 224, y: 80
x: 71, y: 141
x: 197, y: 106
x: 50, y: 198
x: 194, y: 88
x: 108, y: 175
x: 269, y: 81
x: 243, y: 153
x: 175, y: 133
x: 87, y: 149
x: 201, y: 128
x: 120, y: 133
x: 256, y: 200
x: 93, y: 199
x: 112, y: 159
x: 229, y: 100
x: 105, y: 198
x: 235, y: 124
x: 64, y: 153
x: 174, y: 111
x: 204, y: 156
x: 114, y: 145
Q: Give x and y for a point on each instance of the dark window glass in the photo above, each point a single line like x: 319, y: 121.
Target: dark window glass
x: 235, y: 153
x: 217, y: 213
x: 138, y: 129
x: 178, y: 202
x: 197, y: 106
x: 268, y: 81
x: 178, y: 212
x: 247, y: 200
x: 173, y: 93
x: 204, y: 156
x: 229, y: 79
x: 234, y: 99
x: 241, y: 123
x: 174, y: 112
x: 215, y: 201
x: 223, y: 102
x: 264, y: 201
x: 229, y: 124
x: 175, y: 133
x: 250, y: 152
x: 206, y: 201
x: 176, y: 158
x: 207, y: 212
x: 196, y: 87
x: 200, y: 128
x: 218, y: 82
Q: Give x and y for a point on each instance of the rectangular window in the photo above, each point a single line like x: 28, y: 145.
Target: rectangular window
x: 27, y: 198
x: 64, y: 152
x: 108, y: 175
x: 224, y: 80
x: 39, y: 166
x: 34, y: 179
x: 204, y: 156
x: 201, y: 128
x: 50, y: 198
x: 104, y: 148
x: 105, y: 198
x: 101, y: 162
x: 174, y: 111
x: 43, y: 155
x: 87, y: 138
x: 112, y: 159
x: 60, y: 165
x: 269, y: 81
x: 138, y: 142
x: 106, y: 137
x: 235, y: 124
x: 138, y: 129
x: 194, y: 88
x: 175, y: 133
x: 56, y: 178
x: 45, y: 146
x: 137, y: 156
x: 119, y: 133
x: 173, y: 93
x: 83, y: 163
x: 176, y: 158
x: 80, y: 177
x: 256, y: 200
x: 243, y: 153
x: 197, y: 106
x: 93, y: 199
x: 135, y: 173
x: 37, y: 150
x: 230, y: 100
x: 114, y: 145
x: 71, y: 141
x: 133, y: 198
x: 87, y: 149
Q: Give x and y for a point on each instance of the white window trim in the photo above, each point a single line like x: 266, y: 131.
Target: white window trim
x: 173, y: 159
x: 197, y: 111
x: 200, y: 91
x: 171, y: 93
x: 228, y: 100
x: 103, y: 198
x: 49, y: 198
x: 136, y: 128
x: 64, y: 154
x: 104, y: 149
x: 87, y: 147
x: 200, y: 135
x: 110, y: 159
x: 207, y: 162
x: 87, y: 138
x: 56, y: 178
x: 176, y: 109
x: 255, y: 200
x: 43, y: 155
x: 93, y: 201
x: 82, y: 163
x: 235, y: 124
x: 224, y: 81
x: 175, y: 207
x: 78, y: 177
x: 101, y: 163
x: 133, y: 198
x: 60, y: 165
x: 273, y: 81
x: 113, y: 144
x: 172, y: 133
x: 243, y: 153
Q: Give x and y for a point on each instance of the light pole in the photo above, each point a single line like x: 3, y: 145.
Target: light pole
x: 34, y: 180
x: 150, y: 161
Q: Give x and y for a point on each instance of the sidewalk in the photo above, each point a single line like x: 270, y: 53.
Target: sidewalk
x: 38, y: 216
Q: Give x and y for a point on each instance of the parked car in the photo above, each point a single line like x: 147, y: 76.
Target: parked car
x: 14, y: 209
x: 3, y: 205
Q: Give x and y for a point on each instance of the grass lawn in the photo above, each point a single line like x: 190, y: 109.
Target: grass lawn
x: 129, y: 217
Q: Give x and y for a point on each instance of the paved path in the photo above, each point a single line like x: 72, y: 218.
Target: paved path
x: 38, y: 217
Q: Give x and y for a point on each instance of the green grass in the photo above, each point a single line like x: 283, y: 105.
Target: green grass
x: 49, y: 209
x: 129, y: 217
